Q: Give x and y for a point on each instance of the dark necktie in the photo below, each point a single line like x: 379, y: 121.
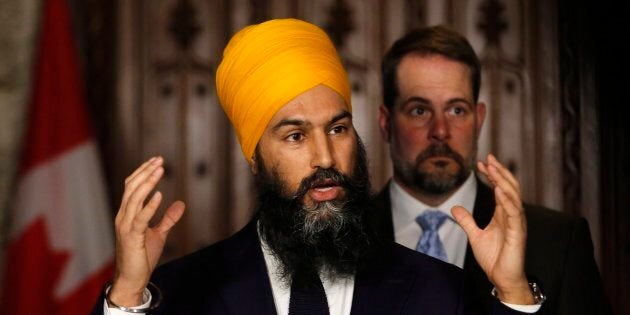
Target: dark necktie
x: 430, y: 242
x: 308, y: 296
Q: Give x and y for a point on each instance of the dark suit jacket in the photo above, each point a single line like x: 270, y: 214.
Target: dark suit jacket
x: 230, y: 277
x: 559, y: 256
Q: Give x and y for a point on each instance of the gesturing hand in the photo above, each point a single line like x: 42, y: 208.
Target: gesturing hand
x: 500, y: 247
x: 138, y: 246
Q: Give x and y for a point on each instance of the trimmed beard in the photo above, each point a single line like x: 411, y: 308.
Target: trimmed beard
x: 329, y: 237
x: 436, y: 183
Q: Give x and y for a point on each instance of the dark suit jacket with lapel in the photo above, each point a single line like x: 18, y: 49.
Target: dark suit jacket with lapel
x: 230, y: 277
x: 559, y: 256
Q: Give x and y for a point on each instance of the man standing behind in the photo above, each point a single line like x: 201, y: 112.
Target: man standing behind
x: 431, y: 119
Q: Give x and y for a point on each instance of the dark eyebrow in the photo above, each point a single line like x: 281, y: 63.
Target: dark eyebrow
x: 426, y: 101
x: 300, y: 122
x: 340, y: 116
x: 416, y: 99
x: 462, y: 100
x: 290, y: 122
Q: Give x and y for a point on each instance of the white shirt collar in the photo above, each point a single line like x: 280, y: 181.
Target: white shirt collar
x: 339, y: 292
x: 408, y: 208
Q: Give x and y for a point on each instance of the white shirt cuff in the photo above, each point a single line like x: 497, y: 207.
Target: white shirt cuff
x: 146, y: 302
x: 530, y: 309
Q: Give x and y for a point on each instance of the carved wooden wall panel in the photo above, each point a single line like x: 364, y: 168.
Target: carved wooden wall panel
x: 168, y: 104
x: 174, y: 111
x: 518, y: 44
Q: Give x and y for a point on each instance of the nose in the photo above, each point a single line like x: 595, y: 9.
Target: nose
x: 322, y: 152
x: 439, y: 131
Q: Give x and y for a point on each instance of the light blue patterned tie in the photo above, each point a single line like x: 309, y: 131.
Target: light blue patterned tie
x: 430, y: 242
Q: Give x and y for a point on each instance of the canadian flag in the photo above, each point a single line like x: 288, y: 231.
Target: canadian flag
x: 60, y: 250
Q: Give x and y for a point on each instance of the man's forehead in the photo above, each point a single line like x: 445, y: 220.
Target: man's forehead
x: 320, y: 104
x: 433, y: 75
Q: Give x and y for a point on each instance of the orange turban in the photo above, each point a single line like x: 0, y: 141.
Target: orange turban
x: 267, y: 65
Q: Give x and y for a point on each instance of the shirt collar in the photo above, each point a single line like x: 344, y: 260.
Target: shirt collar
x: 406, y: 208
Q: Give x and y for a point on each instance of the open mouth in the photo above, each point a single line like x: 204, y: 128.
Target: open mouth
x: 324, y: 190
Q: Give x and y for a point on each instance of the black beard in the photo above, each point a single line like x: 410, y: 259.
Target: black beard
x: 434, y: 183
x: 330, y: 237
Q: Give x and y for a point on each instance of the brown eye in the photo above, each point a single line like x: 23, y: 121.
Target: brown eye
x: 337, y: 130
x: 458, y: 111
x: 418, y: 111
x: 295, y: 137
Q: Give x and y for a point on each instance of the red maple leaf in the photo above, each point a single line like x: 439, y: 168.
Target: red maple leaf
x: 32, y: 272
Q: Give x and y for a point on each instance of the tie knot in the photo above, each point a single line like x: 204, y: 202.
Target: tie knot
x: 431, y: 220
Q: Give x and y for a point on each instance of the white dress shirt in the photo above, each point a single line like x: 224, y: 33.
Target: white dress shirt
x: 339, y: 292
x: 407, y: 232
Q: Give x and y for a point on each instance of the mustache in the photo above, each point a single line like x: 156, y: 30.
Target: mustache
x: 322, y: 177
x: 439, y: 150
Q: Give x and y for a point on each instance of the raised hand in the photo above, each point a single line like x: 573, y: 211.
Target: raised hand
x: 500, y: 247
x: 138, y: 246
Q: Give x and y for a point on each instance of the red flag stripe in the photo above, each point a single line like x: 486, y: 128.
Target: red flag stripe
x: 58, y: 116
x: 61, y: 249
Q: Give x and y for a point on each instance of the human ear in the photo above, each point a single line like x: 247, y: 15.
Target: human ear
x: 480, y: 112
x: 384, y: 122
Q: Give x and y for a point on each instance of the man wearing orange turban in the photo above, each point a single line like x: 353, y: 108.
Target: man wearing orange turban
x: 265, y: 66
x: 308, y: 250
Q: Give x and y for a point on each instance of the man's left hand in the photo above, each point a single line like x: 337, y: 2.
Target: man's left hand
x: 500, y: 247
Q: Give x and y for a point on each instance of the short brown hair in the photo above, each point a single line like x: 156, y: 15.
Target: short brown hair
x: 438, y: 40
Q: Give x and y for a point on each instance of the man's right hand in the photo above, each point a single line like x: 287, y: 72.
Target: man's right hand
x: 138, y: 246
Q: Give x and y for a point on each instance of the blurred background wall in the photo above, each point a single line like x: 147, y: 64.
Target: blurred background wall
x: 552, y: 79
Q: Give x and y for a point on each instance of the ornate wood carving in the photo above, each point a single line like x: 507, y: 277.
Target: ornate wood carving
x: 416, y: 14
x: 258, y: 11
x: 492, y: 23
x: 340, y: 23
x: 570, y: 111
x: 183, y: 25
x: 96, y: 19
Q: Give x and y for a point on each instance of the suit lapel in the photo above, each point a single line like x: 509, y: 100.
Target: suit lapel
x: 246, y: 269
x: 380, y: 216
x: 382, y: 286
x: 477, y: 285
x: 484, y: 205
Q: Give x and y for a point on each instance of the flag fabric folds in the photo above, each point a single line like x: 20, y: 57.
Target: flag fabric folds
x: 60, y: 247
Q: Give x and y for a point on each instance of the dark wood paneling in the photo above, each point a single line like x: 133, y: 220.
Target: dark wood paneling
x: 95, y: 23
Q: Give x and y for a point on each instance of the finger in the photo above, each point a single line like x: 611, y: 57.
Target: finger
x: 514, y: 217
x: 483, y: 169
x: 141, y: 222
x: 132, y: 182
x: 171, y: 216
x: 141, y: 173
x: 466, y: 221
x: 505, y: 185
x: 137, y: 198
x: 140, y: 168
x: 499, y: 215
x: 492, y: 160
x: 506, y: 203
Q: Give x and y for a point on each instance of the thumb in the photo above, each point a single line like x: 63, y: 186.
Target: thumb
x: 466, y: 221
x: 171, y: 216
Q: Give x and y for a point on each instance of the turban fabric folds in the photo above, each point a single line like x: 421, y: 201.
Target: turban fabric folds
x: 267, y: 65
